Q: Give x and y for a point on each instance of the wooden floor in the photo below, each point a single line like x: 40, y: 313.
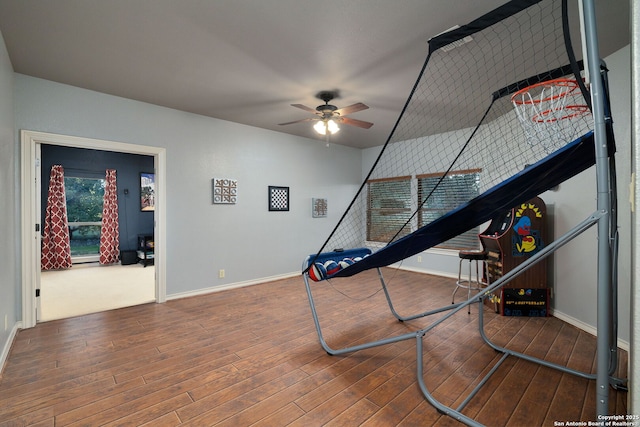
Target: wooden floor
x: 250, y: 357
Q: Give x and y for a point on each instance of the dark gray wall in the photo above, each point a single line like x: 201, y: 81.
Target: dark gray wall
x: 87, y: 163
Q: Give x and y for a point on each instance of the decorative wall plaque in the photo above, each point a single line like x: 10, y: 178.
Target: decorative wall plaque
x: 225, y: 191
x: 318, y: 208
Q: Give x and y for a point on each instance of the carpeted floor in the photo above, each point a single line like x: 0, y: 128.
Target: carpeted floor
x: 89, y: 288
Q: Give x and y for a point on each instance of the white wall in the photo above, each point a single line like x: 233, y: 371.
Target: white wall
x: 9, y: 282
x: 244, y: 239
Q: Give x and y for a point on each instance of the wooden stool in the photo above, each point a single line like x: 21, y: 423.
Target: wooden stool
x: 471, y: 284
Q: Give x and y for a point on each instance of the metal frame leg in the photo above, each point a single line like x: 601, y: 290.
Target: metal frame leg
x: 549, y: 249
x: 410, y: 317
x: 351, y: 349
x: 453, y: 296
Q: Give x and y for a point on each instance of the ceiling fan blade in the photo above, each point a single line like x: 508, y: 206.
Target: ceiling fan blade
x: 355, y: 122
x: 352, y: 109
x: 304, y: 107
x: 298, y: 121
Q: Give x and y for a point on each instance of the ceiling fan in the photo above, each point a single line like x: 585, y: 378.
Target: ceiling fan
x: 329, y: 116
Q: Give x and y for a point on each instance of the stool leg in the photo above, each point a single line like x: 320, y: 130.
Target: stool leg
x: 471, y: 283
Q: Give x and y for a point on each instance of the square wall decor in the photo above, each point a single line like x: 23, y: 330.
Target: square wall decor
x: 225, y: 191
x: 278, y: 198
x: 319, y: 208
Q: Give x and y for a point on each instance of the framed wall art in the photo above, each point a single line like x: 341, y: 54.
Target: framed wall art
x: 278, y: 198
x: 318, y: 208
x: 147, y: 192
x: 225, y: 191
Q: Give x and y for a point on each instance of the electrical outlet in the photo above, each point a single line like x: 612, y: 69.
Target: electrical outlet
x: 221, y: 274
x: 419, y: 258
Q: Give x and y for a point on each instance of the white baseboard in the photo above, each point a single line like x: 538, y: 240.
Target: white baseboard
x: 232, y: 286
x: 7, y: 346
x: 624, y: 345
x: 425, y: 271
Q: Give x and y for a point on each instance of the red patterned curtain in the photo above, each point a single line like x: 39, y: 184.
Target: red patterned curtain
x: 56, y: 251
x: 110, y: 236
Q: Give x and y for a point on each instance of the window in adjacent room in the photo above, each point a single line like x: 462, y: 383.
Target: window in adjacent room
x: 84, y: 212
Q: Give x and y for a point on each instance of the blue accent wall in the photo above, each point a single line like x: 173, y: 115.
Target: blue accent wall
x: 86, y: 163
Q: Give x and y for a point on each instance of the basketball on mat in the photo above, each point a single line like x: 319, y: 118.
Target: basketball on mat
x: 345, y: 262
x: 317, y: 272
x: 332, y: 267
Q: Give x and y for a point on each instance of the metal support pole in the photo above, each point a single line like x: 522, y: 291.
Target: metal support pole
x: 634, y: 355
x: 603, y: 206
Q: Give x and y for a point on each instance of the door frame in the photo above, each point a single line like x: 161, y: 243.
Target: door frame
x: 30, y: 143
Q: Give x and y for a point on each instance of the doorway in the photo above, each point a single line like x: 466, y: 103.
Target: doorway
x: 89, y: 287
x: 31, y: 193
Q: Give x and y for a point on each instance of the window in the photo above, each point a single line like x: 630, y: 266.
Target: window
x: 388, y: 208
x: 84, y: 212
x: 391, y: 203
x: 453, y: 190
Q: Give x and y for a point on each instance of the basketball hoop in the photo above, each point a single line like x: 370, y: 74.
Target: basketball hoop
x: 545, y: 111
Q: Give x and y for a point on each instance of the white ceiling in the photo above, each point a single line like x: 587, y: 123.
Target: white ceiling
x: 246, y: 61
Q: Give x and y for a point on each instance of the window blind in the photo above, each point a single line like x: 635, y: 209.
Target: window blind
x: 388, y: 208
x: 437, y: 196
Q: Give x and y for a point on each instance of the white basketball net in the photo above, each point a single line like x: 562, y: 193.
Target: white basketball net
x: 545, y: 111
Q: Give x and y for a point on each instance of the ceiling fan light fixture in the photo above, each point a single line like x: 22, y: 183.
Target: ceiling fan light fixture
x: 332, y: 126
x: 329, y: 117
x: 320, y: 127
x: 326, y: 125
